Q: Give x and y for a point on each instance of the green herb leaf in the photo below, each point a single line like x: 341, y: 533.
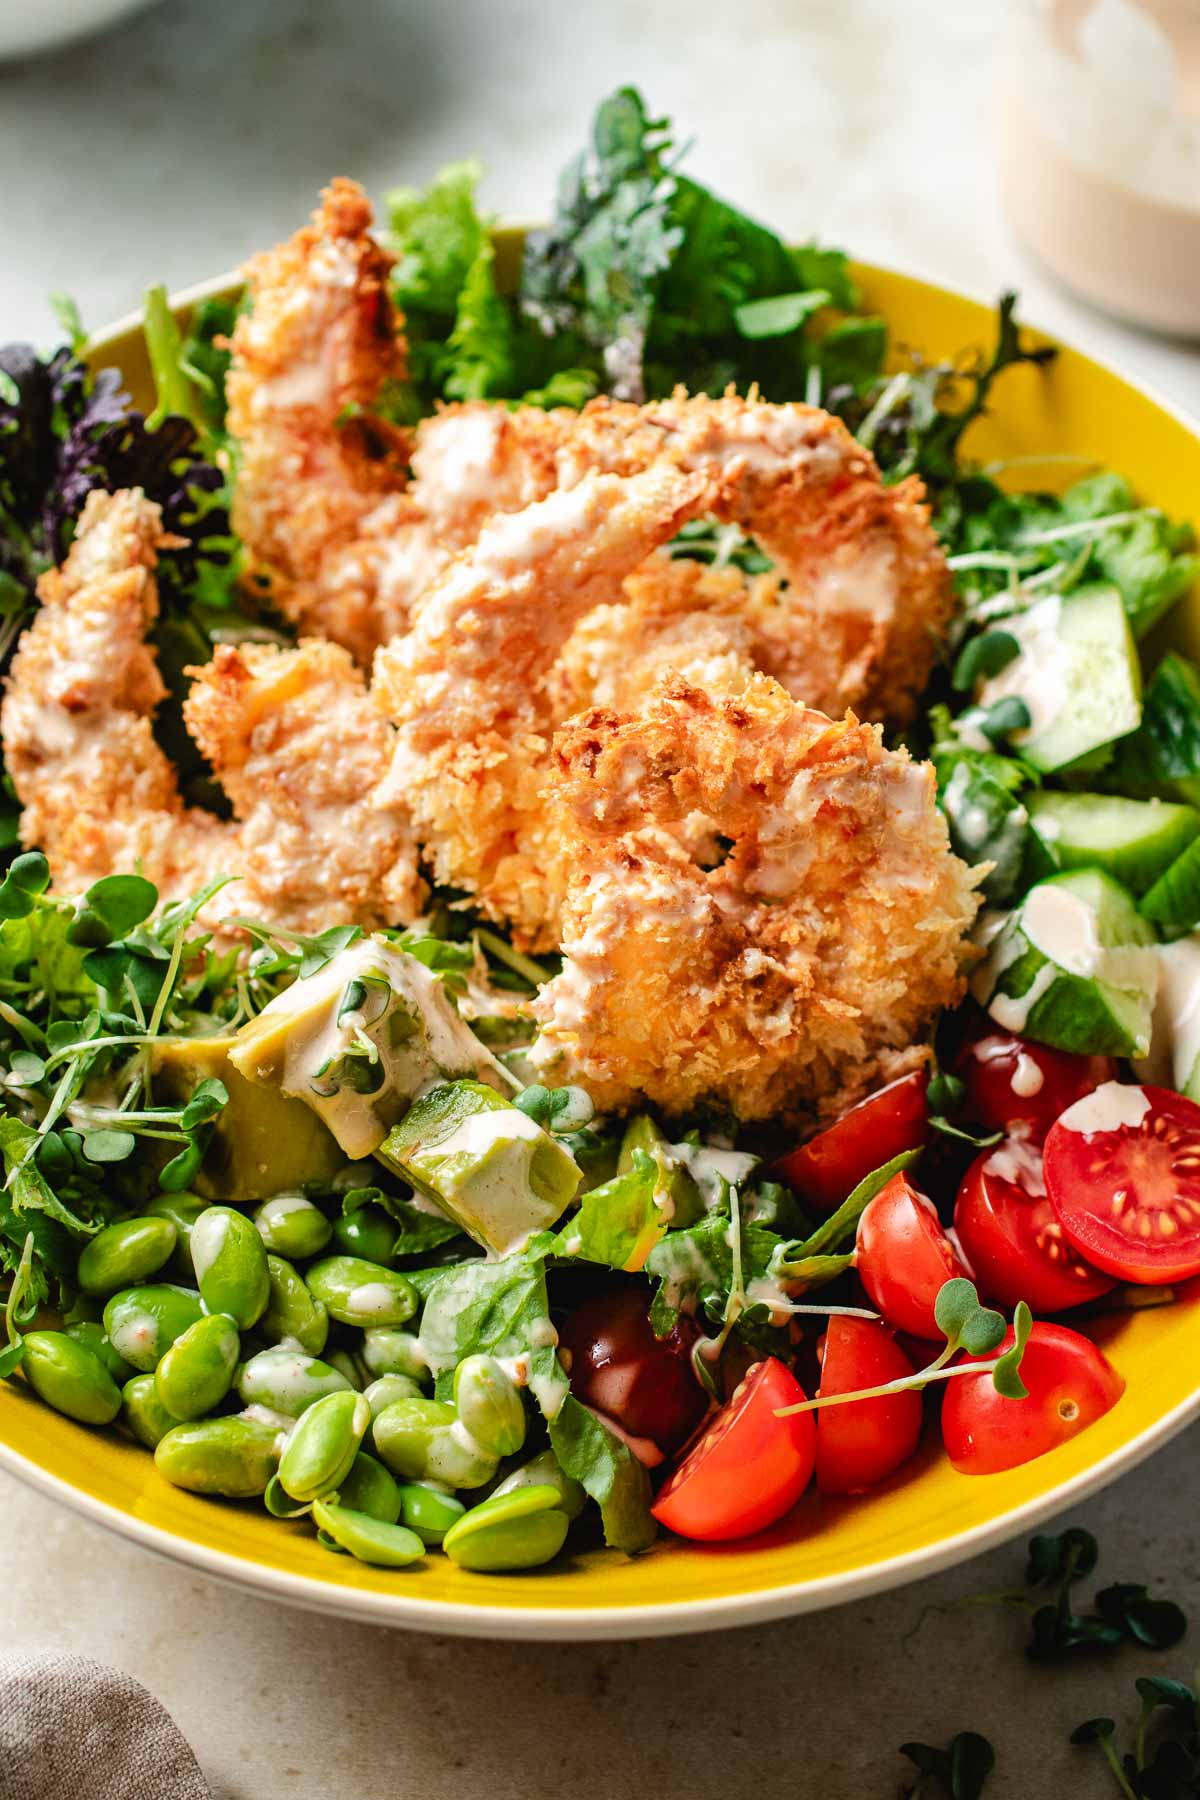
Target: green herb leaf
x: 779, y: 314
x: 1006, y: 1372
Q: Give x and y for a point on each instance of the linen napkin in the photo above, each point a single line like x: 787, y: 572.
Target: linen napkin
x: 70, y: 1729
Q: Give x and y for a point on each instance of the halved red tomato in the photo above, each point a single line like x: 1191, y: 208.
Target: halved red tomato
x: 860, y: 1443
x: 1071, y: 1385
x: 1011, y: 1080
x: 645, y: 1383
x: 749, y: 1468
x: 829, y: 1166
x: 1123, y: 1175
x: 1011, y: 1238
x: 903, y: 1257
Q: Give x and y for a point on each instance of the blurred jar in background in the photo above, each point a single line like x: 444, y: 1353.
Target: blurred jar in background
x: 1099, y: 121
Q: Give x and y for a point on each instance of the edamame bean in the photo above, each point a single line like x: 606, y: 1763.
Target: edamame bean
x: 231, y: 1265
x: 125, y: 1253
x: 388, y: 1388
x: 428, y: 1511
x: 320, y: 1450
x: 518, y: 1530
x: 368, y: 1539
x: 197, y: 1371
x: 292, y: 1315
x: 234, y: 1457
x: 369, y: 1488
x: 70, y: 1378
x: 368, y: 1233
x: 360, y: 1293
x: 94, y: 1338
x: 280, y: 1504
x: 287, y: 1381
x: 488, y: 1402
x: 386, y: 1350
x: 291, y: 1226
x: 537, y: 1472
x: 347, y: 1364
x: 145, y: 1414
x: 423, y: 1440
x: 182, y: 1209
x: 143, y: 1322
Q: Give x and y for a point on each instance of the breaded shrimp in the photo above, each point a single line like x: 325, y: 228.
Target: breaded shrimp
x: 293, y: 733
x: 796, y: 972
x: 860, y: 598
x: 467, y: 688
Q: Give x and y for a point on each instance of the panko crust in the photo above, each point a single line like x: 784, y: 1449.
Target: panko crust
x: 795, y: 972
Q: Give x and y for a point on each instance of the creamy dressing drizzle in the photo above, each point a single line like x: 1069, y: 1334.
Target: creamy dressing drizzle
x: 1112, y: 1105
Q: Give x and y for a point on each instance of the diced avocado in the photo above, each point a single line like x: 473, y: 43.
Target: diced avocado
x: 487, y: 1164
x: 1074, y: 966
x: 1131, y: 840
x: 358, y: 1040
x: 262, y: 1141
x: 1163, y: 755
x: 674, y: 1184
x: 1174, y: 900
x: 1077, y: 673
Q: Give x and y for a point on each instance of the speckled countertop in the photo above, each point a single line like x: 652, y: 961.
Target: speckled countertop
x: 167, y: 151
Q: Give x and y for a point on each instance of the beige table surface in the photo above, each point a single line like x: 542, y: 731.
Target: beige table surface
x: 168, y: 151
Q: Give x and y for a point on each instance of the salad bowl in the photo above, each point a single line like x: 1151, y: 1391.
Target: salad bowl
x: 826, y: 1551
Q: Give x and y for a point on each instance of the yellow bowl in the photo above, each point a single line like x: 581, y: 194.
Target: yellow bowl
x: 826, y: 1552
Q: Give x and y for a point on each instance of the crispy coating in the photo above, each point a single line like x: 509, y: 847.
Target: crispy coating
x: 468, y: 686
x: 796, y: 972
x: 292, y: 733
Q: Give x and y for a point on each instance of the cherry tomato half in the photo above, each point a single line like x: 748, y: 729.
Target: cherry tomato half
x: 1123, y: 1175
x: 1071, y: 1385
x: 1011, y: 1238
x: 749, y: 1468
x: 1011, y: 1080
x: 644, y: 1383
x: 832, y: 1164
x: 903, y: 1257
x: 860, y: 1443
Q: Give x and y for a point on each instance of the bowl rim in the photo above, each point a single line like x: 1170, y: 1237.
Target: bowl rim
x: 636, y: 1620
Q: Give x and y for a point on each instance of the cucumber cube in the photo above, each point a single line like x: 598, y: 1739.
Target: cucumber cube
x: 1131, y: 840
x: 1174, y: 900
x: 1077, y: 673
x: 1074, y: 966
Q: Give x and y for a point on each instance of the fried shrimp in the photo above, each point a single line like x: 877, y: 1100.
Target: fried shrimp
x: 292, y: 734
x: 469, y: 690
x: 799, y: 970
x: 860, y: 597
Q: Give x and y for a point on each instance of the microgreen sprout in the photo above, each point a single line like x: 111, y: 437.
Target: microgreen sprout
x: 1170, y: 1770
x: 960, y: 1770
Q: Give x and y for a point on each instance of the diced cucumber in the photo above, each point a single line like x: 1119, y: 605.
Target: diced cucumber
x: 1131, y: 840
x: 1163, y: 755
x: 1174, y: 1058
x: 1073, y: 966
x: 1174, y: 900
x: 1077, y: 673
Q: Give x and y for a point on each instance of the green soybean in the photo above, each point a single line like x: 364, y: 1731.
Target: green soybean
x: 93, y: 1337
x: 386, y: 1350
x: 517, y: 1530
x: 145, y: 1414
x: 369, y: 1488
x: 197, y: 1371
x: 182, y: 1209
x: 368, y: 1233
x: 143, y: 1322
x: 70, y: 1378
x: 231, y: 1265
x: 368, y: 1539
x: 489, y: 1404
x: 234, y: 1457
x: 280, y: 1504
x: 125, y: 1253
x: 292, y: 1315
x: 428, y: 1511
x: 347, y: 1364
x: 537, y: 1472
x: 321, y: 1447
x: 291, y: 1226
x: 356, y: 1292
x: 389, y: 1388
x: 287, y: 1381
x: 422, y: 1440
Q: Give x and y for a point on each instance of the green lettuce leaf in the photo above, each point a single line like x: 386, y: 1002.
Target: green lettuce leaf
x: 608, y: 1471
x: 618, y: 1223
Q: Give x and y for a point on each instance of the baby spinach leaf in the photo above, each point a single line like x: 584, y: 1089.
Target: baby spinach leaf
x: 608, y: 1471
